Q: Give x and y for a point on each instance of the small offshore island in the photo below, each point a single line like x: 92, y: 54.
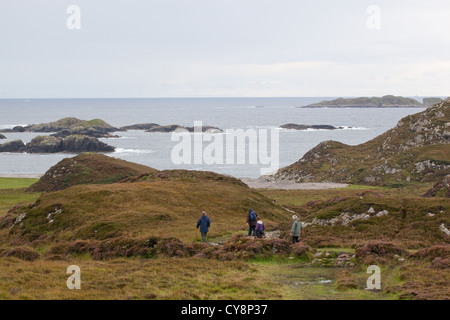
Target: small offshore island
x: 388, y: 101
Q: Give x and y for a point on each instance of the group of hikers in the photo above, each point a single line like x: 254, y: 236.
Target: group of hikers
x: 255, y: 226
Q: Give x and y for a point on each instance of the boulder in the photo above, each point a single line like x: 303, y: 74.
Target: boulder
x: 72, y: 143
x: 44, y: 144
x: 13, y: 146
x: 82, y: 143
x: 2, y: 136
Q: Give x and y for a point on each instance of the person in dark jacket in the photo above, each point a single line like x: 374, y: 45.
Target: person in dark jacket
x: 251, y: 221
x: 204, y: 223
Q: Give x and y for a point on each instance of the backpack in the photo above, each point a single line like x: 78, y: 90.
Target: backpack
x: 252, y: 216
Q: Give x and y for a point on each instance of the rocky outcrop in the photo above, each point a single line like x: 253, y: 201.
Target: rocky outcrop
x: 96, y: 128
x: 13, y: 146
x: 415, y: 150
x: 293, y: 126
x: 154, y: 127
x: 365, y: 102
x: 140, y: 126
x: 80, y: 143
x: 44, y: 144
x: 346, y: 218
x: 440, y: 189
x: 175, y: 127
x: 72, y: 143
x: 428, y: 102
x: 89, y: 131
x: 49, y: 144
x: 2, y: 137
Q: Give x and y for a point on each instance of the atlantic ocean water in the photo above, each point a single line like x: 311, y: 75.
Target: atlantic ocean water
x: 155, y: 149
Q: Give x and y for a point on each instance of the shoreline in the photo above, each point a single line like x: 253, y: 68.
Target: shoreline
x: 290, y: 185
x: 21, y: 175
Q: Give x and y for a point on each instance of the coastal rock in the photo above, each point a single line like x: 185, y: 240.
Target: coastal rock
x: 13, y: 146
x: 428, y: 102
x: 388, y: 101
x: 154, y: 127
x: 140, y: 126
x: 81, y: 143
x: 44, y: 144
x: 175, y: 127
x: 86, y: 131
x: 294, y: 126
x: 168, y: 128
x: 96, y: 127
x: 2, y: 136
x: 72, y: 143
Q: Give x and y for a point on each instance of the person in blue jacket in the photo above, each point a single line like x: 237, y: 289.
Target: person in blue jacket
x: 204, y: 223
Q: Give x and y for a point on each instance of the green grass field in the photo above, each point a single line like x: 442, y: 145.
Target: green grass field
x: 16, y: 183
x: 12, y: 193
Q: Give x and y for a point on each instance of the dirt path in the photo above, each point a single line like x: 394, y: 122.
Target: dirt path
x: 290, y: 185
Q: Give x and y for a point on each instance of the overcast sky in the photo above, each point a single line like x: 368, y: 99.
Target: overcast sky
x: 224, y: 48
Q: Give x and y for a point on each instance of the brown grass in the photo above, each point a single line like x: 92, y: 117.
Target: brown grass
x: 164, y: 279
x: 87, y: 169
x: 144, y: 209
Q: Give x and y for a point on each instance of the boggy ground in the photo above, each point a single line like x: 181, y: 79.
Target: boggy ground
x: 240, y: 269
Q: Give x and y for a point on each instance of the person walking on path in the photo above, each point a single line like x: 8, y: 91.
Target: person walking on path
x: 296, y: 229
x: 259, y: 228
x: 251, y: 221
x: 204, y: 223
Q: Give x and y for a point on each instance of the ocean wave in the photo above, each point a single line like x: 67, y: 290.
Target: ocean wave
x: 338, y: 128
x: 136, y: 151
x: 10, y: 126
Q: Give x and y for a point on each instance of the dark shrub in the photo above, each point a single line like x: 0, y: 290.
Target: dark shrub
x: 378, y: 252
x: 431, y: 253
x: 22, y: 253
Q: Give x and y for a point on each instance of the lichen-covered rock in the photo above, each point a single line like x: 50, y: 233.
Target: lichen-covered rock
x: 72, y: 143
x: 81, y: 143
x: 44, y: 144
x: 13, y: 146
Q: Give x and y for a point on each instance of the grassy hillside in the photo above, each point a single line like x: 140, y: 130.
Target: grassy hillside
x: 93, y: 225
x: 411, y: 221
x: 12, y: 193
x: 167, y: 208
x: 87, y: 169
x: 416, y: 150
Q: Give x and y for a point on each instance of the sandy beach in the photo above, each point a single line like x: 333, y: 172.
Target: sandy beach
x: 290, y: 185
